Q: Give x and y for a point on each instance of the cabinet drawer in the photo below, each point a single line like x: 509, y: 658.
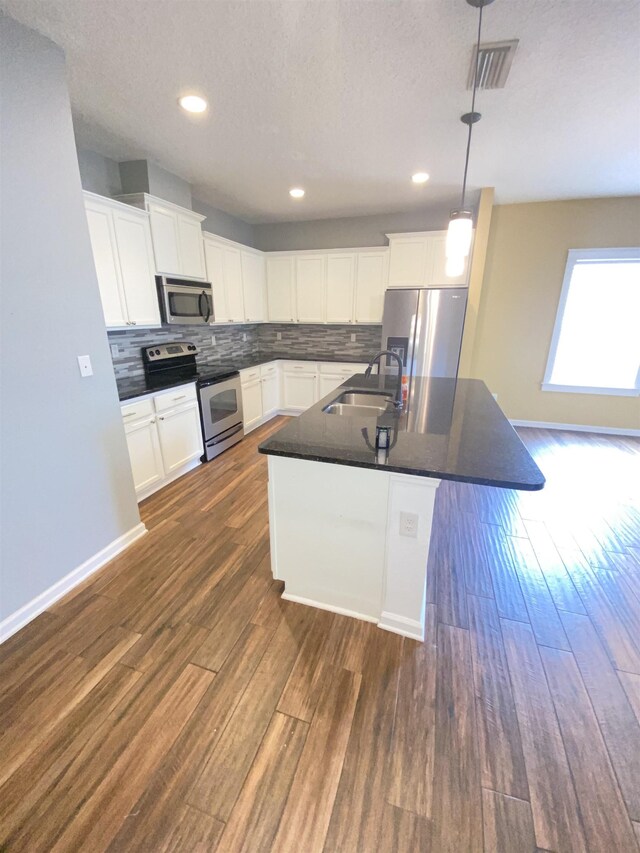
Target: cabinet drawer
x: 300, y: 367
x: 175, y: 397
x: 249, y: 375
x: 140, y: 409
x: 344, y: 368
x: 268, y: 369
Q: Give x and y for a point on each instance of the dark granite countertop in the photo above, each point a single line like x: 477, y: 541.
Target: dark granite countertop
x: 137, y: 385
x: 450, y: 429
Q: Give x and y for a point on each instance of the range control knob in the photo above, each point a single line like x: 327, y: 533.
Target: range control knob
x: 157, y: 352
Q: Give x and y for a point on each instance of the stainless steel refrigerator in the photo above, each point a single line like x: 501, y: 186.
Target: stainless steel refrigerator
x: 424, y: 326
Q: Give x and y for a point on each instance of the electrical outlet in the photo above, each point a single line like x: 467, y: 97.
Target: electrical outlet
x: 84, y: 363
x: 278, y: 336
x: 353, y: 337
x: 114, y: 350
x: 409, y: 524
x: 213, y: 340
x: 244, y: 336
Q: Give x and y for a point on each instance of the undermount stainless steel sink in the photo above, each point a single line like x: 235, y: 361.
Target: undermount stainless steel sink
x: 360, y: 404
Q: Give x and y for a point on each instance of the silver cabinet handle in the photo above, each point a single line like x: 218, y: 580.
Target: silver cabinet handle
x: 181, y: 397
x: 160, y: 417
x: 152, y: 421
x: 130, y: 415
x: 133, y: 322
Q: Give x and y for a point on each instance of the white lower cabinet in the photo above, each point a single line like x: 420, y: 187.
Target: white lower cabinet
x: 251, y: 403
x: 270, y: 393
x: 163, y: 437
x: 327, y: 382
x: 144, y: 453
x: 180, y: 436
x: 299, y: 385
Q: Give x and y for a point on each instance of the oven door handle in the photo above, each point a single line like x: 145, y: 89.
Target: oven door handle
x: 205, y: 316
x: 225, y: 435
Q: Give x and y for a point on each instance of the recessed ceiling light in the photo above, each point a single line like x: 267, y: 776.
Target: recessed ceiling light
x: 296, y: 192
x: 193, y: 103
x: 420, y: 178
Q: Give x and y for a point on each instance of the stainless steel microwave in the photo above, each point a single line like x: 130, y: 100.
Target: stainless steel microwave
x: 185, y: 301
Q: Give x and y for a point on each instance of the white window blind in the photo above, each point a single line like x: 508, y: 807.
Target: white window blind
x: 595, y: 346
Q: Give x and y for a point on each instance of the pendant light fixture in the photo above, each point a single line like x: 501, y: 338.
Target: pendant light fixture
x: 461, y: 219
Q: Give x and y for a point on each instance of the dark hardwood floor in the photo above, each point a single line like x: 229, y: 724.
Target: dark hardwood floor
x: 175, y: 702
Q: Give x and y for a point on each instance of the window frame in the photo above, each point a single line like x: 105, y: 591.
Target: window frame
x: 573, y: 258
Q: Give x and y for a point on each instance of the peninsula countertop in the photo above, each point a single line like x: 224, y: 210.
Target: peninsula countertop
x: 450, y: 429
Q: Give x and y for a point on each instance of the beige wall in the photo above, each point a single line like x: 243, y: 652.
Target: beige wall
x: 525, y: 265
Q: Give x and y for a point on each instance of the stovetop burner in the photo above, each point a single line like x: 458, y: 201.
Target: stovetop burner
x: 175, y: 362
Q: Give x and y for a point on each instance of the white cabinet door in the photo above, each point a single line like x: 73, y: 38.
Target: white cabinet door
x: 191, y: 251
x: 166, y: 238
x: 233, y: 283
x: 437, y: 275
x: 215, y: 274
x: 408, y: 261
x: 144, y: 453
x: 105, y: 258
x: 270, y: 394
x: 251, y: 403
x: 328, y: 382
x: 253, y: 287
x: 280, y: 296
x: 310, y: 287
x: 340, y: 286
x: 133, y: 239
x: 180, y: 436
x: 370, y: 286
x: 299, y: 389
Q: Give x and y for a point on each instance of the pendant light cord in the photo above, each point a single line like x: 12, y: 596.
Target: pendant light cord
x: 473, y: 107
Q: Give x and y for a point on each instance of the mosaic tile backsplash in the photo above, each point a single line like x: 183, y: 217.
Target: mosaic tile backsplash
x: 242, y: 342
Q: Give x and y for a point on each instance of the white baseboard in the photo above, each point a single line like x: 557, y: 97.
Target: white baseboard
x: 575, y: 427
x: 41, y: 602
x: 402, y: 625
x: 341, y: 610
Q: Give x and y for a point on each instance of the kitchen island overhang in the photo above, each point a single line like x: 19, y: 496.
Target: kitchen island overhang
x: 350, y: 528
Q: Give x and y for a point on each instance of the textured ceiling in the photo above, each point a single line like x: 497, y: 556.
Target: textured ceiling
x: 348, y: 99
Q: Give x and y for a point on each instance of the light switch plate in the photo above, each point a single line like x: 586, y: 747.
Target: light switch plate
x: 244, y: 336
x: 84, y: 363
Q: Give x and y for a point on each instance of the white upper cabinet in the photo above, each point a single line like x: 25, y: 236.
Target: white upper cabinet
x: 177, y: 236
x: 105, y: 258
x: 341, y: 272
x: 121, y: 245
x: 253, y: 286
x: 419, y: 260
x: 232, y: 267
x: 166, y: 240
x: 371, y: 277
x: 310, y: 286
x: 190, y: 243
x: 237, y: 278
x: 280, y: 294
x: 133, y: 239
x: 215, y: 274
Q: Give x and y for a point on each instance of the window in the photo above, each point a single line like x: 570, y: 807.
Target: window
x: 595, y: 348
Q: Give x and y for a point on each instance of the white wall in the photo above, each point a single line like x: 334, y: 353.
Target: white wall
x: 67, y: 489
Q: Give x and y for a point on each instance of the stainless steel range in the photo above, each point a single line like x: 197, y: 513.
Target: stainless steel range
x: 219, y: 392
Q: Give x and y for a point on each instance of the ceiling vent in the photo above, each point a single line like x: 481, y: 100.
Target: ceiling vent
x: 494, y: 64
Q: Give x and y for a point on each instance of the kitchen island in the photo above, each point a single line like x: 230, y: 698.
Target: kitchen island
x: 350, y: 524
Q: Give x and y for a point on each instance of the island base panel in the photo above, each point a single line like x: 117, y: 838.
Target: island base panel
x: 336, y: 540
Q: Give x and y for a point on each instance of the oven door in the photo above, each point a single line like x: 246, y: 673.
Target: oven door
x: 187, y: 304
x: 220, y: 407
